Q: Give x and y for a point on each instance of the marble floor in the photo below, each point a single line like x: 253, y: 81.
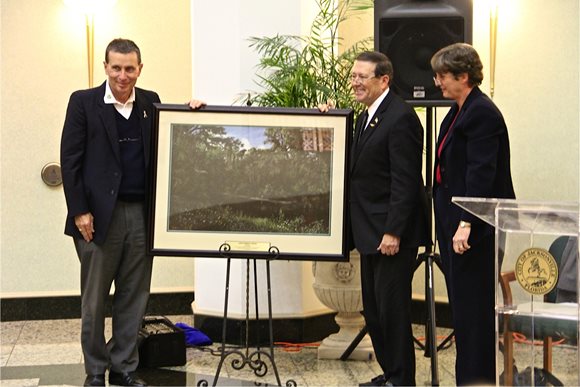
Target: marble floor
x: 48, y: 353
x: 44, y: 353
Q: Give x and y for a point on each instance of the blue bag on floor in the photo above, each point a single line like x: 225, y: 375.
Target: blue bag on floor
x: 193, y: 336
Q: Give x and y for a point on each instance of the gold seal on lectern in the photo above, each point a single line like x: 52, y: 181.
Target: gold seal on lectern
x: 536, y: 271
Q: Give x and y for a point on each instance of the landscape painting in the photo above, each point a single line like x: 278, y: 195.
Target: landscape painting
x: 250, y: 179
x: 253, y: 179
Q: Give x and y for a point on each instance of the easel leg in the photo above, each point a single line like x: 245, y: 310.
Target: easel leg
x: 257, y: 308
x: 270, y: 323
x: 224, y: 326
x: 246, y: 358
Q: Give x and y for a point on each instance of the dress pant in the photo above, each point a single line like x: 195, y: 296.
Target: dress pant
x: 122, y: 260
x: 470, y: 280
x: 386, y: 291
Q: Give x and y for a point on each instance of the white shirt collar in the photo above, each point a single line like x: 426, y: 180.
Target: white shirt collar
x: 375, y: 105
x: 123, y: 108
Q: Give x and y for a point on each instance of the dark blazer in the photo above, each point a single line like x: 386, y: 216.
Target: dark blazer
x: 90, y: 156
x: 474, y: 162
x: 387, y: 194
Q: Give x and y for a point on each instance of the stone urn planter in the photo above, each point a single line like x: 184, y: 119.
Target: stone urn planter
x: 337, y: 285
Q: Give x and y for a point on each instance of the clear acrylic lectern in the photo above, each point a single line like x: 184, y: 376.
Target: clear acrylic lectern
x: 536, y: 334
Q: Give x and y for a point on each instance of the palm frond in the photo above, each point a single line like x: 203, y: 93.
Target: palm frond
x: 302, y: 71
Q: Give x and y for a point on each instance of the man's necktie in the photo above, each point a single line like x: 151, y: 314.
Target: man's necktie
x: 364, y: 119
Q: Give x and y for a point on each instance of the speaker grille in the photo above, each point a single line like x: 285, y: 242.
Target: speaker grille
x: 410, y: 43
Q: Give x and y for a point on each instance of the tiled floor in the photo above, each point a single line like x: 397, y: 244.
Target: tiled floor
x: 48, y: 352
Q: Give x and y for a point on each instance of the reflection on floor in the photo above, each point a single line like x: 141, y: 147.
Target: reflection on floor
x: 44, y: 353
x: 35, y: 353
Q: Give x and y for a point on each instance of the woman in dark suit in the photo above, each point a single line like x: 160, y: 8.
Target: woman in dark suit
x: 472, y: 160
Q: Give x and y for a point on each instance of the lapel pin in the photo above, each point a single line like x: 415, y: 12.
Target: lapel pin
x: 375, y: 121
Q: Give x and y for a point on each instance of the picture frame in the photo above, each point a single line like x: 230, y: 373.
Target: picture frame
x: 249, y: 182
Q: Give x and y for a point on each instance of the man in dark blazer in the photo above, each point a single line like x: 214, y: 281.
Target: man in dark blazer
x: 104, y: 157
x: 105, y: 149
x: 388, y: 212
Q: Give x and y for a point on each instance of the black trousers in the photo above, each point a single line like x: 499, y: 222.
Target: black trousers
x: 386, y: 290
x: 470, y: 280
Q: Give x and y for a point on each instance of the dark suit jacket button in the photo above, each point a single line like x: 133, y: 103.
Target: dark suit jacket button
x: 442, y: 169
x: 116, y: 174
x: 446, y: 185
x: 112, y: 192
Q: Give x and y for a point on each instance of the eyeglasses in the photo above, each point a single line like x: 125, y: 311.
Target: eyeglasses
x: 439, y: 77
x: 362, y: 78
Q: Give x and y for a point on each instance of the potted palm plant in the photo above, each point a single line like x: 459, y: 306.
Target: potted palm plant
x: 303, y: 71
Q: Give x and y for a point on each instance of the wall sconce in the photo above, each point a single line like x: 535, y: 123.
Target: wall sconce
x: 89, y: 8
x: 493, y: 15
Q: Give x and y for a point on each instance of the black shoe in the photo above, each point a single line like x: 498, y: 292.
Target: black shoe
x: 377, y: 381
x: 95, y: 380
x: 125, y: 379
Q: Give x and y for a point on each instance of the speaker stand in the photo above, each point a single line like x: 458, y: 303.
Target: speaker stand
x: 429, y: 257
x: 355, y: 342
x: 430, y: 347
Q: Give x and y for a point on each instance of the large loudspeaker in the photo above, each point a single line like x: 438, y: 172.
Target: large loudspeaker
x: 409, y: 32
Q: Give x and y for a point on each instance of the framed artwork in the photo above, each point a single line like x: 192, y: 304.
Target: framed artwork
x: 249, y: 182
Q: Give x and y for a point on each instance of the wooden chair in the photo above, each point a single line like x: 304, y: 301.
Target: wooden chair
x: 511, y: 322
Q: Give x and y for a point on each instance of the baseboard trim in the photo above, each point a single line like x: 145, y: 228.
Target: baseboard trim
x: 303, y: 329
x: 298, y: 330
x: 68, y: 307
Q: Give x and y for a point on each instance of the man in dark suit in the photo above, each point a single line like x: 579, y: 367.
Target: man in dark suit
x: 387, y: 213
x: 104, y: 156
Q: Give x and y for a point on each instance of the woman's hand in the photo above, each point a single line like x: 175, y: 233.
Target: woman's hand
x: 460, y: 239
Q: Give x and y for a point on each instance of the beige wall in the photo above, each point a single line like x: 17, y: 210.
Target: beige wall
x: 536, y: 89
x: 43, y: 59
